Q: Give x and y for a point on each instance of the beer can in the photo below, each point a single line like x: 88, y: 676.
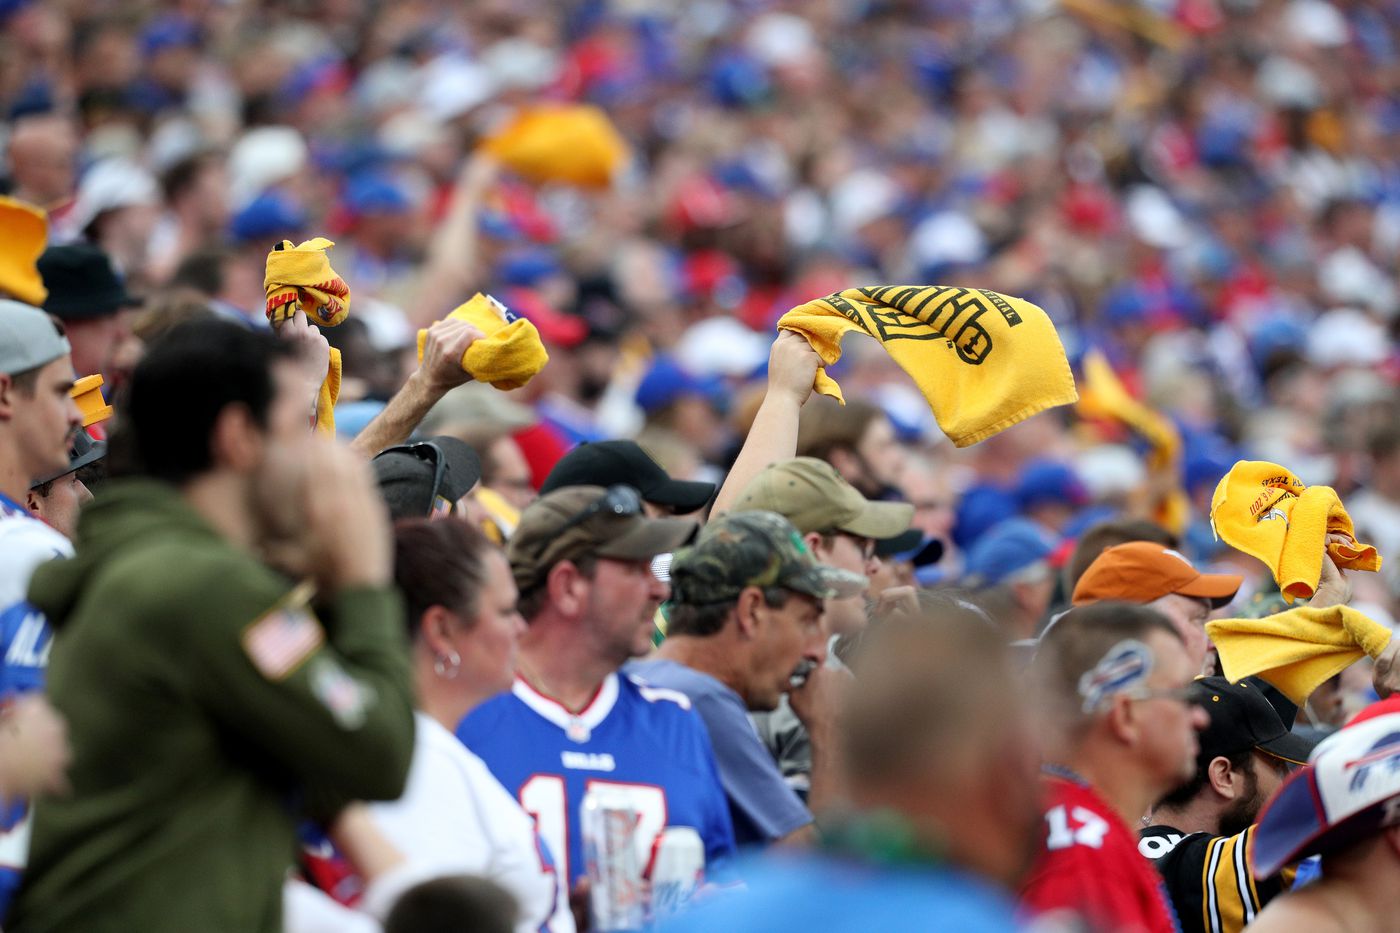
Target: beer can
x: 616, y: 897
x: 675, y: 871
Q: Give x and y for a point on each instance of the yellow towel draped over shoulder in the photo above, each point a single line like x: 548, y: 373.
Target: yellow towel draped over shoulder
x: 1265, y: 511
x: 510, y: 353
x: 984, y: 361
x: 1298, y: 650
x: 300, y: 278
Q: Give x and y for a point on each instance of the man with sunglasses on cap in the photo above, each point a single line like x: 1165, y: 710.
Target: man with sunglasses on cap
x: 1201, y: 833
x: 573, y: 722
x: 426, y: 478
x: 746, y: 611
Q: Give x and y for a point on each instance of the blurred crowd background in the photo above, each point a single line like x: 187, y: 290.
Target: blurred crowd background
x: 1207, y: 191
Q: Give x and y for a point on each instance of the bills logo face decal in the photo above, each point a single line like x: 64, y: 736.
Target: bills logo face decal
x: 1124, y: 667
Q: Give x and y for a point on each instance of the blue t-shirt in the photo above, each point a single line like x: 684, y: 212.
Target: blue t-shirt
x: 643, y: 741
x: 792, y: 893
x: 763, y: 806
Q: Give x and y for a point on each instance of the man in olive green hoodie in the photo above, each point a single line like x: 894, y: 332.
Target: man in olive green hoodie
x: 212, y: 702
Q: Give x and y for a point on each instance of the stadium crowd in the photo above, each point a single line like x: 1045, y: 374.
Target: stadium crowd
x: 427, y: 501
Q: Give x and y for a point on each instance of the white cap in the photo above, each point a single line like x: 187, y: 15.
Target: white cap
x: 263, y: 157
x: 112, y: 184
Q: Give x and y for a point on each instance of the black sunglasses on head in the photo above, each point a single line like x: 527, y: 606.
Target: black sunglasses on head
x: 432, y: 454
x: 618, y: 500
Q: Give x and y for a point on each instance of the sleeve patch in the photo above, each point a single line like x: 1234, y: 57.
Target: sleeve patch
x: 280, y: 641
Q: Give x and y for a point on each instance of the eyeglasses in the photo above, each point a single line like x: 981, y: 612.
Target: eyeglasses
x: 430, y: 453
x: 618, y: 500
x: 1183, y: 695
x: 866, y: 546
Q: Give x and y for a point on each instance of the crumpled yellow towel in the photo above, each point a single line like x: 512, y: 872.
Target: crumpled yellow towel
x: 982, y: 360
x: 1104, y: 396
x: 24, y: 229
x: 300, y: 278
x: 1298, y: 650
x: 575, y: 144
x: 510, y: 353
x: 1265, y: 511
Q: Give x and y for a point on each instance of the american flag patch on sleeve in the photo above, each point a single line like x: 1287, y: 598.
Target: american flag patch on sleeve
x: 281, y: 640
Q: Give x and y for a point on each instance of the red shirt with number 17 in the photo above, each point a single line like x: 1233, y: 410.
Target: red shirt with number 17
x: 1089, y: 865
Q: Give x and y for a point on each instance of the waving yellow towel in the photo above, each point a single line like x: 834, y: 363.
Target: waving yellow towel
x: 575, y: 143
x: 300, y: 278
x: 1265, y: 511
x: 984, y: 361
x: 510, y: 353
x: 1298, y: 650
x: 1104, y: 396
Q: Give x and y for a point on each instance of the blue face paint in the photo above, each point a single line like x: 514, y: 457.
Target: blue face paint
x: 1124, y: 667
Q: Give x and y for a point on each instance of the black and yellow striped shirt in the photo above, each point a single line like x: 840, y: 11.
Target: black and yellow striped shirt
x: 1208, y: 878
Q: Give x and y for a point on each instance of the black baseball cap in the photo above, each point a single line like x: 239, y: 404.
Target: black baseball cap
x: 609, y: 463
x: 84, y: 451
x: 83, y: 285
x: 1241, y: 717
x: 415, y: 478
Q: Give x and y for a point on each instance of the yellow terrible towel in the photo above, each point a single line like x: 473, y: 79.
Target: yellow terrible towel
x: 575, y: 144
x: 300, y: 278
x: 1265, y: 511
x: 1103, y: 396
x: 1298, y: 650
x: 510, y: 353
x: 24, y: 229
x: 983, y: 361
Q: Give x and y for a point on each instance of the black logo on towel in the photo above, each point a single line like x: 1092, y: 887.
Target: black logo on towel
x: 912, y: 313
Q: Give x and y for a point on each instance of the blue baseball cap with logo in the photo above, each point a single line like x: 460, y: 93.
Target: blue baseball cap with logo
x: 1005, y: 551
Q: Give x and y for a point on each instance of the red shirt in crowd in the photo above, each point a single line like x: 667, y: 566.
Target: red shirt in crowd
x: 1089, y: 864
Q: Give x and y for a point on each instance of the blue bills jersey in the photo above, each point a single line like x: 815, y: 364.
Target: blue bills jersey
x: 642, y: 741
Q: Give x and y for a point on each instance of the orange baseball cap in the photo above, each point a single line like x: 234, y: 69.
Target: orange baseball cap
x: 1140, y: 571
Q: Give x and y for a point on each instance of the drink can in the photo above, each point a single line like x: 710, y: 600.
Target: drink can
x: 675, y: 870
x: 609, y: 825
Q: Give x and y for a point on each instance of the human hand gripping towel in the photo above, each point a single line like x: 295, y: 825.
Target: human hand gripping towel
x: 1265, y: 511
x: 300, y: 278
x: 1104, y: 397
x: 510, y: 353
x: 1297, y: 650
x: 982, y: 360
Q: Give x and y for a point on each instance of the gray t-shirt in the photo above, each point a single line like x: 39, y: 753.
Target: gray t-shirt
x: 764, y: 808
x: 786, y: 739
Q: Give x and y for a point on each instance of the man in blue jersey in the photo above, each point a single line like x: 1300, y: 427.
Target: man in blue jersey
x: 38, y: 420
x: 746, y: 611
x: 581, y: 557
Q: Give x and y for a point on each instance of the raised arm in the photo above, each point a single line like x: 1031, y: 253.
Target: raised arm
x: 451, y: 266
x: 440, y: 371
x: 792, y: 366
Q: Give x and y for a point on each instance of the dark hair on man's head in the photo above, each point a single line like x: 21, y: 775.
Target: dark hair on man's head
x: 705, y: 619
x: 203, y: 271
x: 186, y: 380
x: 1239, y: 761
x: 825, y: 426
x: 1075, y: 644
x: 439, y: 562
x: 1383, y: 442
x: 453, y: 904
x: 1111, y: 533
x: 182, y: 176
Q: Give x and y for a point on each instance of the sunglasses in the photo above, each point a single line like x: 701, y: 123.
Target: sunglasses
x: 432, y: 454
x: 619, y: 500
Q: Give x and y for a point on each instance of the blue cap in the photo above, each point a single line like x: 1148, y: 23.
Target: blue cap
x: 271, y: 216
x: 168, y: 32
x: 1005, y: 550
x: 1049, y: 481
x: 666, y: 382
x: 524, y: 268
x: 375, y: 193
x: 979, y: 509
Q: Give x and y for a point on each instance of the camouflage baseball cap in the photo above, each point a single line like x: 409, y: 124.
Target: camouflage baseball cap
x: 580, y: 521
x: 810, y: 493
x: 742, y: 549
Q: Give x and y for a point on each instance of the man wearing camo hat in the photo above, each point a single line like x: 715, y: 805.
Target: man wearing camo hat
x: 746, y: 612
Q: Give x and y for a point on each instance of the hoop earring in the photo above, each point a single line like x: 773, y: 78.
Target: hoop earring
x: 447, y: 668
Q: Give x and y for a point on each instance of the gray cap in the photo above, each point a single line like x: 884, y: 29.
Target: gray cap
x: 28, y: 338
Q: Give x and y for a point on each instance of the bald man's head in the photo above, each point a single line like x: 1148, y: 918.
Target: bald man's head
x: 42, y: 156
